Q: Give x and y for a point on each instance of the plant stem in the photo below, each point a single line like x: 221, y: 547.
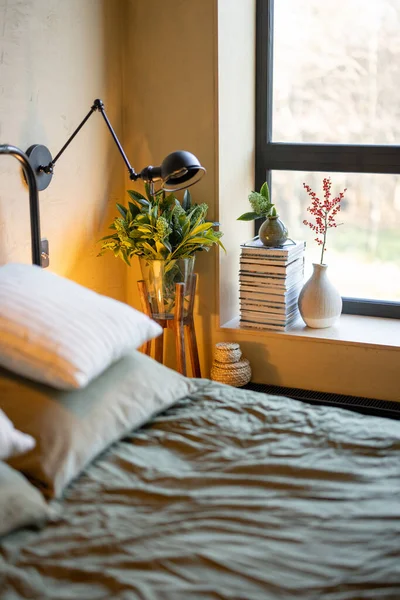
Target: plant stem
x: 324, y: 242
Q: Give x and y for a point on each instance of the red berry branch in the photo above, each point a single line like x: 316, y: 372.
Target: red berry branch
x: 324, y: 212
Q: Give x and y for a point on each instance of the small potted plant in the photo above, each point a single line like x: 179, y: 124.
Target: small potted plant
x: 165, y: 235
x: 273, y: 231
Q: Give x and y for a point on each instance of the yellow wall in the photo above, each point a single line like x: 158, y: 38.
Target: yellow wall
x: 56, y: 58
x: 170, y: 86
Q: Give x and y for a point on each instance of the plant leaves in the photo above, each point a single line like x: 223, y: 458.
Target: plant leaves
x: 134, y: 209
x: 122, y: 210
x: 149, y: 248
x: 126, y: 259
x: 114, y: 236
x: 167, y: 245
x: 136, y: 195
x: 264, y: 191
x: 201, y: 227
x: 160, y: 228
x: 248, y: 216
x: 168, y: 201
x: 273, y: 212
x: 187, y: 200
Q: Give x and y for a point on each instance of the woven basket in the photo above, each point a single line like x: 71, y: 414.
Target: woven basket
x: 235, y: 374
x: 227, y: 352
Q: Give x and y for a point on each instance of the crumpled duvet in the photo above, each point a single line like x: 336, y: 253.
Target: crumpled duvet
x: 230, y: 494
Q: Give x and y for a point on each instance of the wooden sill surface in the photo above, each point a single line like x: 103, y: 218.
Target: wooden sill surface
x: 350, y: 329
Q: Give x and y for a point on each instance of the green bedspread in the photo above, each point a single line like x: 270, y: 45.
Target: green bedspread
x: 230, y: 494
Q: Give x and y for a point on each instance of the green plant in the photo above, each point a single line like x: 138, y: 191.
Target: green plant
x: 260, y: 203
x: 159, y: 227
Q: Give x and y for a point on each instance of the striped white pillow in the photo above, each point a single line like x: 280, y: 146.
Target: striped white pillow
x: 60, y: 333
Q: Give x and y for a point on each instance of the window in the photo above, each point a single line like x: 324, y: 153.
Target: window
x: 328, y: 104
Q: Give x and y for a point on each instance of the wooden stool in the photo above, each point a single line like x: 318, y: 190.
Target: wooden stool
x: 179, y: 323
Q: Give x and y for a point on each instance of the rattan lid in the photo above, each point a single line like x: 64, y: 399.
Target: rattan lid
x: 227, y: 346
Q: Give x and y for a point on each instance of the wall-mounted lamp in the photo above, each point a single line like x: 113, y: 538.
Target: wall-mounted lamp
x: 178, y: 171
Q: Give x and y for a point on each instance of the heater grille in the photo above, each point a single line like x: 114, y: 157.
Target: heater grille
x: 381, y: 408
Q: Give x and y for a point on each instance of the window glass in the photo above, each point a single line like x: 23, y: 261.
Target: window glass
x: 363, y: 253
x: 336, y: 71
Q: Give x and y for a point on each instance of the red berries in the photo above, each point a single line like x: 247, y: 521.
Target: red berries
x: 324, y: 211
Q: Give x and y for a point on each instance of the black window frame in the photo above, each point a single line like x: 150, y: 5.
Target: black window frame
x: 281, y: 156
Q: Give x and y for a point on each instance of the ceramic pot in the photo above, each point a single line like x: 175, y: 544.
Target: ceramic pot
x: 161, y: 277
x: 273, y: 232
x: 320, y: 304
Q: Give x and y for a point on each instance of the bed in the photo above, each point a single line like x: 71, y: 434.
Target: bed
x: 142, y: 484
x: 227, y: 494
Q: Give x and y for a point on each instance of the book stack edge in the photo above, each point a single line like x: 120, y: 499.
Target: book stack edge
x: 270, y: 280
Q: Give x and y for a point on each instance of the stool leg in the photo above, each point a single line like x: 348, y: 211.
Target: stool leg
x: 179, y: 328
x: 146, y: 348
x: 191, y: 334
x: 193, y: 352
x: 159, y: 348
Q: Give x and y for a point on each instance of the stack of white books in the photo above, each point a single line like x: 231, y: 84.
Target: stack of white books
x: 270, y: 280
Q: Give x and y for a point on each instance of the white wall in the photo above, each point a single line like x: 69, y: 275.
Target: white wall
x: 236, y: 140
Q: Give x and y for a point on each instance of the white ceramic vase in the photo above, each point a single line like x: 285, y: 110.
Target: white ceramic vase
x: 320, y: 304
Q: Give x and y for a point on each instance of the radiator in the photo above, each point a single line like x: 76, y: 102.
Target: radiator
x: 381, y: 408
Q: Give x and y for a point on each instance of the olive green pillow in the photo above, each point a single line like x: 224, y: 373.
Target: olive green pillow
x: 21, y: 504
x: 72, y: 427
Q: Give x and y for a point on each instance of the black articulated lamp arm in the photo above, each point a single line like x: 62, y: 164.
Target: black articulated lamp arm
x: 98, y: 105
x: 49, y: 168
x: 43, y: 164
x: 33, y: 198
x: 178, y: 170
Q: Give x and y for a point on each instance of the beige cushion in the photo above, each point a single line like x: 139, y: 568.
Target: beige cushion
x: 71, y: 428
x: 57, y: 332
x: 21, y: 504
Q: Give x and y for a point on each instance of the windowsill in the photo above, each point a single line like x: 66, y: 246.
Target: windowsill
x: 372, y: 332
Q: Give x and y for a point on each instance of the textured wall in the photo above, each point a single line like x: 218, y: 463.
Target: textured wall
x: 170, y: 95
x: 56, y: 56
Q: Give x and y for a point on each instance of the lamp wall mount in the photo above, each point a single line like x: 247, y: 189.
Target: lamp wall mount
x: 38, y: 156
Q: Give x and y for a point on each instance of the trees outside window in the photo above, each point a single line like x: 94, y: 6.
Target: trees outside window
x: 328, y: 105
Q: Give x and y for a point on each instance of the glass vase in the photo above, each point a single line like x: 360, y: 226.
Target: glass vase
x: 160, y: 277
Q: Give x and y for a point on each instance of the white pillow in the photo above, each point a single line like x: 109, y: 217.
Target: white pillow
x: 58, y: 332
x: 12, y: 441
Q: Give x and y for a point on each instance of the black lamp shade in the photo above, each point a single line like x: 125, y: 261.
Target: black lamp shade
x: 180, y: 170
